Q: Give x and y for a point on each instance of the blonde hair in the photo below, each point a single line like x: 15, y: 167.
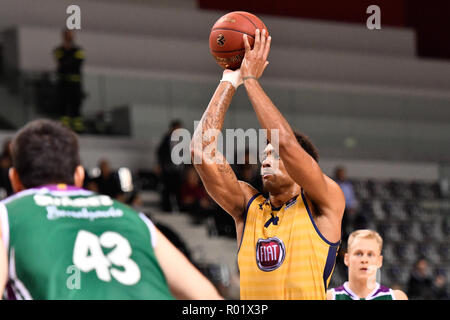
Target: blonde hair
x: 365, y: 234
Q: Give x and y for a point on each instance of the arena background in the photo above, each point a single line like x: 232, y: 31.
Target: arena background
x: 374, y: 101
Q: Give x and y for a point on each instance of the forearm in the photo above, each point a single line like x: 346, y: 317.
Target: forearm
x: 183, y: 279
x: 268, y: 114
x: 302, y: 168
x: 213, y: 118
x: 209, y: 162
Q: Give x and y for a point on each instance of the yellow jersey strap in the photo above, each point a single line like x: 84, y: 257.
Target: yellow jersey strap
x: 245, y: 215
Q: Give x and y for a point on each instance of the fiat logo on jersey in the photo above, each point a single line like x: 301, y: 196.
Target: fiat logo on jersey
x: 270, y: 253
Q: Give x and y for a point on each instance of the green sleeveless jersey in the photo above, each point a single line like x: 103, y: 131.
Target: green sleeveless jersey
x: 379, y: 293
x: 64, y: 242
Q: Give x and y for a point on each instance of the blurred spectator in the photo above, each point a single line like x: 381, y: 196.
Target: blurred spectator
x: 91, y: 185
x: 171, y: 174
x: 5, y: 164
x: 193, y: 197
x: 444, y: 186
x: 69, y: 58
x: 173, y: 237
x: 351, y: 220
x: 439, y: 287
x: 108, y: 181
x: 420, y: 281
x: 135, y: 200
x: 89, y: 181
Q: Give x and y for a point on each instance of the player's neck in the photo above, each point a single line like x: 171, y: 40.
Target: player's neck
x: 361, y: 288
x: 279, y: 199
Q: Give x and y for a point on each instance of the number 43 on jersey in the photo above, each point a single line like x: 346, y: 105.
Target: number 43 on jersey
x: 88, y: 255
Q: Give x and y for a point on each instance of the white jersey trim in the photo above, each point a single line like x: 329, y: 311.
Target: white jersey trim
x: 19, y: 194
x: 70, y: 192
x: 333, y: 292
x: 5, y: 225
x: 17, y: 284
x: 351, y: 293
x: 370, y: 296
x: 151, y: 228
x: 354, y: 296
x: 60, y: 193
x: 392, y: 294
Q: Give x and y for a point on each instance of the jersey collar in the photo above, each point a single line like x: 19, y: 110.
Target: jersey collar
x: 354, y: 296
x: 287, y: 203
x: 59, y: 187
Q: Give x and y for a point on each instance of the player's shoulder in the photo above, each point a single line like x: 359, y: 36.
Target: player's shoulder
x: 335, y: 190
x: 249, y: 191
x: 399, y: 295
x: 250, y: 195
x: 18, y: 197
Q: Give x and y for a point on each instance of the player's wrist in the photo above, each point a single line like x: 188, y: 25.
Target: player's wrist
x: 233, y: 77
x: 246, y: 78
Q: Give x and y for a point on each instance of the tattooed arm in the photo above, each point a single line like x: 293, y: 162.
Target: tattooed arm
x: 214, y: 170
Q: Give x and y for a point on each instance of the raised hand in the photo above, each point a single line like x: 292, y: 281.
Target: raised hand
x: 255, y: 60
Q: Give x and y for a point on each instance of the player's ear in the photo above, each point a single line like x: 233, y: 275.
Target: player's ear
x: 380, y: 261
x: 346, y: 259
x: 78, y: 176
x: 14, y: 178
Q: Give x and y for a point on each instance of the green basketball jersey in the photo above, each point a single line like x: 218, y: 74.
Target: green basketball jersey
x: 379, y: 293
x: 68, y: 243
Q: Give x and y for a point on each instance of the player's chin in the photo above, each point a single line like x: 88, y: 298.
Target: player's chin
x: 268, y: 183
x: 364, y: 274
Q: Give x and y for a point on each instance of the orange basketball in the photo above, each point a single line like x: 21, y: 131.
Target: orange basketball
x: 225, y: 40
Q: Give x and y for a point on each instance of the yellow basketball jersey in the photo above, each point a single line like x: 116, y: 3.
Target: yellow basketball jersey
x: 282, y: 254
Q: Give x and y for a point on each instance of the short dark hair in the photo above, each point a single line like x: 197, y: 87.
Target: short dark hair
x: 307, y: 145
x: 45, y: 152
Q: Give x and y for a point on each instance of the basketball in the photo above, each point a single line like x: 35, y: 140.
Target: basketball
x: 225, y: 40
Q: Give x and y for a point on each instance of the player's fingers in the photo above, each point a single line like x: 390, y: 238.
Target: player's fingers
x: 262, y: 44
x: 267, y: 48
x: 257, y: 41
x: 246, y: 44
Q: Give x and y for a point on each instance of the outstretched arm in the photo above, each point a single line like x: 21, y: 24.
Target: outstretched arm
x: 214, y: 170
x: 3, y: 264
x: 302, y: 168
x: 184, y: 280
